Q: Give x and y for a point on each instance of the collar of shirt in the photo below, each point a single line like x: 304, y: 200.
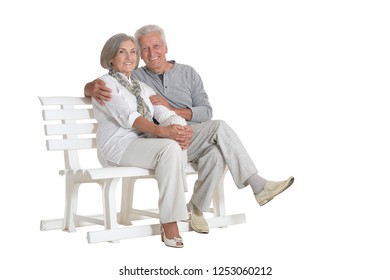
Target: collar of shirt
x: 173, y: 62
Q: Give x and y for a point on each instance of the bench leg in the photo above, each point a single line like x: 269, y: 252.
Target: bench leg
x: 219, y: 198
x: 71, y: 196
x: 109, y: 203
x: 127, y: 201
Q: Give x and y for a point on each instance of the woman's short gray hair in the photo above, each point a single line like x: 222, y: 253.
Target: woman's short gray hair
x: 145, y: 30
x: 111, y: 47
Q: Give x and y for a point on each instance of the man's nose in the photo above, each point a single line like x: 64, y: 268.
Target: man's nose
x: 150, y: 52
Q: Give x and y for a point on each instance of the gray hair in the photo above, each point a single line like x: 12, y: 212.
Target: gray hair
x: 147, y: 29
x: 111, y: 47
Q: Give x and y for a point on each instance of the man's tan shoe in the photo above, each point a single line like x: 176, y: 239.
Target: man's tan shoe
x: 272, y: 189
x: 197, y: 222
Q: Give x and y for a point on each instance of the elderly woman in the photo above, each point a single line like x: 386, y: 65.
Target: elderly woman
x: 127, y: 135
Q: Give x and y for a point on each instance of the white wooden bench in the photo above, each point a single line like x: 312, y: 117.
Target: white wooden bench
x: 70, y: 127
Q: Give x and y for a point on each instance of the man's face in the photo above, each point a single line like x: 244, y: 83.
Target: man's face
x: 153, y: 52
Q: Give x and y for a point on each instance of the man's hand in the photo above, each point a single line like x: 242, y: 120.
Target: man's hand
x: 98, y: 90
x: 159, y: 100
x: 185, y: 113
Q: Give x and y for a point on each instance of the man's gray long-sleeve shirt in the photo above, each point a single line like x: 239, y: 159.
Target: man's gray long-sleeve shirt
x: 182, y: 87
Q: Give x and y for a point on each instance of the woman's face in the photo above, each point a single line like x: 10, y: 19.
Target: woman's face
x: 125, y: 59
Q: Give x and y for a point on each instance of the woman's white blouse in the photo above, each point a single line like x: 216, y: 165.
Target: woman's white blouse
x: 116, y: 117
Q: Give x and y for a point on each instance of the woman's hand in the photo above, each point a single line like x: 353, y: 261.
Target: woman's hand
x: 185, y: 136
x: 181, y: 134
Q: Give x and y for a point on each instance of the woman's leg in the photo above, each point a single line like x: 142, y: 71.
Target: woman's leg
x: 166, y: 157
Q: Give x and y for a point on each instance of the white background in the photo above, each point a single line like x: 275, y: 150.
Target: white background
x: 304, y: 85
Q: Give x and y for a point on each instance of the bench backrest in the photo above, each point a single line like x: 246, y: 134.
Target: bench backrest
x: 70, y: 126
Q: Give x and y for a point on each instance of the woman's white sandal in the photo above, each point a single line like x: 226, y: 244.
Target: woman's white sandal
x: 176, y: 242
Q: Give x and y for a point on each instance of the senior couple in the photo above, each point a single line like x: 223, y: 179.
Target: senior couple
x: 159, y: 117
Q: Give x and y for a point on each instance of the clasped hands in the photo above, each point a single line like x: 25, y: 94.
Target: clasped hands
x: 181, y: 134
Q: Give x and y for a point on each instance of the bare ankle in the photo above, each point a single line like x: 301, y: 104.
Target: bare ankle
x: 171, y: 230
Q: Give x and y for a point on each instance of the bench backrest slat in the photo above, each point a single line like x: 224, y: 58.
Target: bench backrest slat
x: 67, y: 114
x: 70, y: 144
x: 64, y: 100
x: 70, y: 129
x: 70, y: 126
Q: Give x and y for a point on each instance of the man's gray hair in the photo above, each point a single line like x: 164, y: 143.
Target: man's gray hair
x: 147, y: 29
